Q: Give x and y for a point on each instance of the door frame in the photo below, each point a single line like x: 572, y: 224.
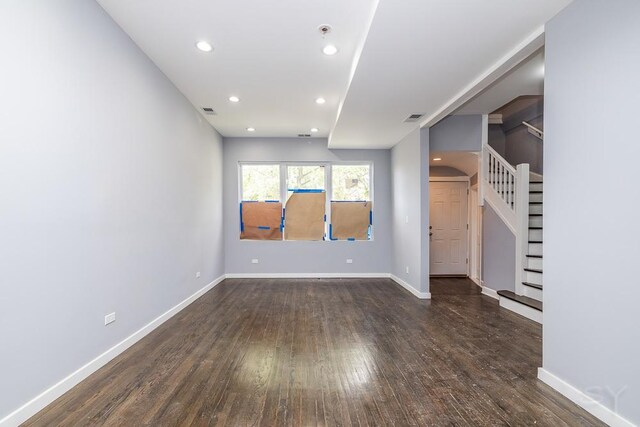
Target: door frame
x: 475, y: 235
x: 456, y: 179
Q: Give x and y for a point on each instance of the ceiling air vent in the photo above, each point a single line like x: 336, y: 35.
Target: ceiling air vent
x: 304, y: 135
x: 414, y: 117
x: 209, y: 111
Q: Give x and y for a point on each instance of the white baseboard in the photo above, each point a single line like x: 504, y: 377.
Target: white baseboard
x: 490, y: 293
x: 476, y: 281
x: 305, y: 275
x: 414, y: 291
x: 521, y: 309
x: 581, y: 399
x: 39, y: 402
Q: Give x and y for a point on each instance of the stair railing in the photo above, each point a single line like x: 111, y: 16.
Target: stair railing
x: 500, y: 185
x: 507, y: 190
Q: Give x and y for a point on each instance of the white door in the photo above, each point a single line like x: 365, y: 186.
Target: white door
x: 448, y: 228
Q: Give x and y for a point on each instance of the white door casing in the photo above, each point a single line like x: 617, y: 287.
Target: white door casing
x: 448, y: 225
x: 475, y: 237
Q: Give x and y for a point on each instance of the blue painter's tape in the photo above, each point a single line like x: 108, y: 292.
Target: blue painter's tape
x: 263, y: 227
x: 325, y: 218
x: 272, y: 201
x: 370, y: 217
x: 351, y: 239
x: 349, y: 201
x: 331, y: 232
x: 249, y: 201
x: 241, y: 223
x: 305, y: 190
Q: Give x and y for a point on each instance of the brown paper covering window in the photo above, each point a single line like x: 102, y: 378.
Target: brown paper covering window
x: 304, y: 216
x: 256, y: 216
x: 350, y: 220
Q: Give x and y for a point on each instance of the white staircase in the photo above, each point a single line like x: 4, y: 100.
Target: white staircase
x: 515, y: 195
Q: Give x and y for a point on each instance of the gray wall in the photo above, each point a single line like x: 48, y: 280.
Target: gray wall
x: 497, y: 139
x: 520, y: 145
x: 111, y: 192
x: 513, y: 142
x: 410, y: 217
x: 305, y: 257
x: 498, y: 252
x: 591, y: 234
x: 456, y: 133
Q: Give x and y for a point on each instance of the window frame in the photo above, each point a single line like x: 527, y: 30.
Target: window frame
x: 328, y: 183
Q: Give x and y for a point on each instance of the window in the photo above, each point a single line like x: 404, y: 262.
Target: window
x: 351, y: 182
x: 305, y: 177
x: 351, y: 210
x: 307, y: 212
x: 304, y: 217
x: 260, y: 182
x: 260, y: 205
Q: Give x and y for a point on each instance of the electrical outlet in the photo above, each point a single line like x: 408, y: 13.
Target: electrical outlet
x: 109, y: 318
x: 255, y: 261
x: 349, y: 261
x: 407, y: 269
x: 197, y: 274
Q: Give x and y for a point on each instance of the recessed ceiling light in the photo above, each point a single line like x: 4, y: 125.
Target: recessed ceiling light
x: 234, y: 99
x: 251, y: 129
x: 314, y: 130
x: 330, y: 50
x: 320, y: 101
x: 204, y: 46
x: 437, y: 159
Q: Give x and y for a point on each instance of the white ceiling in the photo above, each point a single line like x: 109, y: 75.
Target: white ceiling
x: 525, y: 79
x: 268, y: 53
x: 418, y: 55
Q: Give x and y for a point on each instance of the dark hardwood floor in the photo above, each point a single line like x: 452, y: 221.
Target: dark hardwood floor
x: 326, y: 352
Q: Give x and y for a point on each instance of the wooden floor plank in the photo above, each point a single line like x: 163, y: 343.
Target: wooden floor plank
x: 326, y: 352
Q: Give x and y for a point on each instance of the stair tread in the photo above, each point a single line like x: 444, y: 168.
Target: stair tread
x: 535, y: 203
x: 535, y: 192
x: 529, y: 302
x: 532, y: 285
x: 535, y: 228
x: 534, y: 256
x: 535, y: 241
x: 532, y: 214
x: 533, y: 270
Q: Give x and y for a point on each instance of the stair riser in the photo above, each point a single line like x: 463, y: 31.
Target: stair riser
x: 535, y: 221
x: 535, y: 235
x: 535, y: 186
x: 535, y: 197
x: 534, y: 293
x: 531, y: 277
x: 521, y: 309
x: 535, y: 248
x: 535, y: 209
x: 535, y: 263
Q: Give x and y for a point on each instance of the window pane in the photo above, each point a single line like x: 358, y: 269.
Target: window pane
x: 305, y: 178
x: 351, y: 182
x: 260, y: 182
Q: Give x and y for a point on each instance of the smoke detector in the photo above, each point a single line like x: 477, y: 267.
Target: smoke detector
x: 324, y: 29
